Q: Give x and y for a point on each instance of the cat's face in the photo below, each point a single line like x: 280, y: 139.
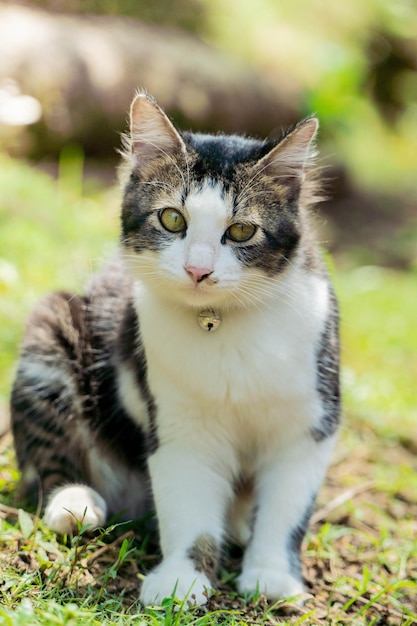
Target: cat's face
x: 209, y: 220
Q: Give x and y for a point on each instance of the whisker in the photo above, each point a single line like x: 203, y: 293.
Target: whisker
x: 255, y: 175
x: 246, y: 190
x: 156, y: 183
x: 188, y: 171
x: 287, y: 167
x: 256, y: 286
x: 250, y: 299
x: 249, y: 196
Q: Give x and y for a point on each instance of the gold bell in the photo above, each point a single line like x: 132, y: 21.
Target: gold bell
x: 209, y: 320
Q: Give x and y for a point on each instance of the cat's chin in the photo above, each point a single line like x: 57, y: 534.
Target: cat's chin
x: 199, y: 303
x: 208, y: 298
x: 191, y: 297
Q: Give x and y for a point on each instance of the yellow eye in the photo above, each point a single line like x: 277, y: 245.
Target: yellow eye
x: 240, y: 232
x: 172, y: 220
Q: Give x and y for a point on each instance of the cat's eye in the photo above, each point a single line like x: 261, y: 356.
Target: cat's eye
x: 172, y: 220
x: 240, y: 232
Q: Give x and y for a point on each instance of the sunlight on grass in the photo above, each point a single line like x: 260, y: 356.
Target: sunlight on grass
x: 379, y: 343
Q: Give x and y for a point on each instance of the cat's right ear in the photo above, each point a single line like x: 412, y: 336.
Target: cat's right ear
x: 152, y: 135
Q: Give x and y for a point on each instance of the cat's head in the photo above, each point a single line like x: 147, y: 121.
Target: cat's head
x: 209, y: 220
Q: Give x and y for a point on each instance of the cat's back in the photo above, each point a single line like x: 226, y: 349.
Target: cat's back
x: 109, y: 294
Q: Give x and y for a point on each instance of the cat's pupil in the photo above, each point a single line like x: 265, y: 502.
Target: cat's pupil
x: 172, y: 220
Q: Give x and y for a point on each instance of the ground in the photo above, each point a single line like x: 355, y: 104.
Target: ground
x: 359, y: 557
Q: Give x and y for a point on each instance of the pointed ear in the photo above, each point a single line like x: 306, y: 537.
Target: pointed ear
x: 151, y: 133
x: 289, y: 158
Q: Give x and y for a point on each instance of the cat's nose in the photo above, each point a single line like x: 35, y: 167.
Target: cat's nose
x: 198, y: 274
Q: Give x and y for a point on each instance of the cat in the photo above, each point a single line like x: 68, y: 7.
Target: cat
x: 198, y: 375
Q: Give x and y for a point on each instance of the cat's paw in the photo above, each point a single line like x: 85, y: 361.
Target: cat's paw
x: 275, y: 585
x: 74, y: 503
x: 175, y: 577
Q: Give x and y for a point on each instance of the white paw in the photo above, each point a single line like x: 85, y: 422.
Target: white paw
x: 274, y: 584
x: 73, y: 503
x: 175, y: 576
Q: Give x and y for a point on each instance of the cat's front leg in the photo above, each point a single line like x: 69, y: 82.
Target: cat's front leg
x: 286, y: 489
x: 191, y: 497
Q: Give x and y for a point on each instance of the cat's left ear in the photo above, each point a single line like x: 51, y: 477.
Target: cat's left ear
x: 287, y: 161
x: 152, y: 135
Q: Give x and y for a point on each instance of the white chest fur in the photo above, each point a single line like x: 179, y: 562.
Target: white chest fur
x: 257, y: 371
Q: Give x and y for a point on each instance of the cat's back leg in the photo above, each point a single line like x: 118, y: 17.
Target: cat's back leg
x: 47, y: 406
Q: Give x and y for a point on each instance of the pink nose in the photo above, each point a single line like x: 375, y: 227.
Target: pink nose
x: 197, y: 274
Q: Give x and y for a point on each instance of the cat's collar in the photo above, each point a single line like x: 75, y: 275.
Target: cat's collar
x: 209, y: 320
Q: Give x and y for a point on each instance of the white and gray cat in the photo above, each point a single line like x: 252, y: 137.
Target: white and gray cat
x: 198, y: 375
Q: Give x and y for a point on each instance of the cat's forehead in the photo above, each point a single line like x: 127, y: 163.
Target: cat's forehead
x: 218, y: 154
x: 209, y: 201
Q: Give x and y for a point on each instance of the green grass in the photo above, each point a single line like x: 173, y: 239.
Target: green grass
x: 360, y: 556
x: 52, y: 236
x: 380, y: 347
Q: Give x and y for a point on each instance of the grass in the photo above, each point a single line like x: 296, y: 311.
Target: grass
x: 360, y: 556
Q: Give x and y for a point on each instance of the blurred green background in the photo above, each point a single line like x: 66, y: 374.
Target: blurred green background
x: 247, y: 66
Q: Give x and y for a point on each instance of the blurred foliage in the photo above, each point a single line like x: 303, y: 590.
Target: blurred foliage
x: 187, y: 14
x: 352, y: 63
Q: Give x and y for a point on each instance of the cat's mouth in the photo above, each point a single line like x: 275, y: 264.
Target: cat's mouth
x: 203, y: 292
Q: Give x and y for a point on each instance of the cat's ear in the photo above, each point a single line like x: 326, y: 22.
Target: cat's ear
x: 287, y: 160
x: 151, y: 133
